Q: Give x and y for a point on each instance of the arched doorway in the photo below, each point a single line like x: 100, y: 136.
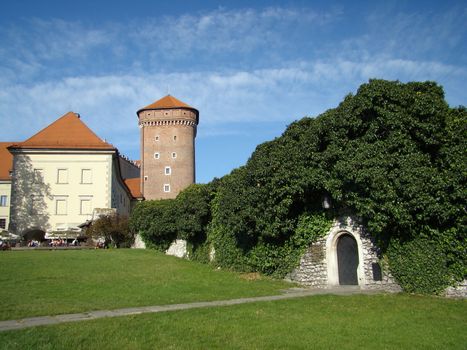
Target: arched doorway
x: 34, y: 234
x: 347, y: 260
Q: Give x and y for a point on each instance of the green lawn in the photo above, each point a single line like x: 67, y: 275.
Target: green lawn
x: 37, y: 283
x: 34, y: 283
x: 317, y: 322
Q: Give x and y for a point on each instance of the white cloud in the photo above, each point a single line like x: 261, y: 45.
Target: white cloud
x: 239, y: 67
x: 277, y: 94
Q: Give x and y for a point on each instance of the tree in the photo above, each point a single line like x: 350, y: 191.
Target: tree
x: 113, y: 228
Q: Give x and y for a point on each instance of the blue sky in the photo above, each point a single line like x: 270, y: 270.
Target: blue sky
x: 251, y: 68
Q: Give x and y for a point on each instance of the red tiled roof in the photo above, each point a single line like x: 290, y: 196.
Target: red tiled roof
x: 6, y: 161
x: 67, y: 132
x: 168, y: 102
x: 133, y: 185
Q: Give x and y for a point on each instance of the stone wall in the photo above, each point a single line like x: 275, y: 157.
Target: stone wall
x: 138, y: 243
x: 318, y: 266
x: 460, y: 291
x: 178, y: 248
x: 312, y: 270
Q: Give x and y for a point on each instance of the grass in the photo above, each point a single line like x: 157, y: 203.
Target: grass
x: 34, y: 283
x: 37, y: 283
x: 318, y: 322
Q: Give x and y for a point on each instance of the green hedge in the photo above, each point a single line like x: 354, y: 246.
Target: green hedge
x: 393, y: 154
x: 420, y: 266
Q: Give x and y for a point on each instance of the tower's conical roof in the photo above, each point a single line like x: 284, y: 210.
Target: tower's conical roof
x: 168, y: 102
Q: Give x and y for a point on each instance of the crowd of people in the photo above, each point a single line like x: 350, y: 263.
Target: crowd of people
x: 4, y: 245
x: 54, y: 243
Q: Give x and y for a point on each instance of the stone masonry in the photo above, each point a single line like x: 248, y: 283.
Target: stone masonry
x: 318, y: 266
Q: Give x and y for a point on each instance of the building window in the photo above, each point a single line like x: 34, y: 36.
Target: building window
x: 60, y: 206
x: 145, y: 178
x: 157, y: 155
x: 86, y: 176
x: 3, y: 200
x: 62, y: 176
x: 85, y: 207
x: 156, y: 138
x: 38, y: 176
x: 166, y: 188
x: 174, y: 155
x: 3, y: 223
x: 168, y: 170
x: 175, y: 137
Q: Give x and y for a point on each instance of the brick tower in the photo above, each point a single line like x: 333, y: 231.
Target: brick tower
x: 168, y: 131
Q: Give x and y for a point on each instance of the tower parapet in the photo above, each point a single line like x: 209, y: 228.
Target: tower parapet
x: 168, y: 131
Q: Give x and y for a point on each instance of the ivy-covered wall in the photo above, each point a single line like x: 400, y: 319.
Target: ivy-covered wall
x: 393, y: 154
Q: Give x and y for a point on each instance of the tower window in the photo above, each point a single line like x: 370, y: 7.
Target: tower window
x: 156, y: 138
x: 166, y: 188
x: 175, y: 137
x: 145, y: 178
x: 168, y: 170
x: 157, y: 155
x: 174, y: 155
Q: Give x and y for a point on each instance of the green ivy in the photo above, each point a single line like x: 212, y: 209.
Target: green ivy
x: 394, y: 154
x: 420, y: 266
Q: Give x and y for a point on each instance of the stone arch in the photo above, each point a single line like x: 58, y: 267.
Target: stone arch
x: 34, y: 233
x: 332, y: 241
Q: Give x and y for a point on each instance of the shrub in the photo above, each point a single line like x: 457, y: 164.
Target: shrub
x: 114, y: 229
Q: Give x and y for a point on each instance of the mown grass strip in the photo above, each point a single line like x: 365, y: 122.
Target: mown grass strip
x: 317, y: 322
x: 39, y: 283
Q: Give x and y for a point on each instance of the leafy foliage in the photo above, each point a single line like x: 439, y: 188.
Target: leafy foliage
x: 393, y: 154
x: 155, y: 221
x: 161, y: 222
x: 113, y: 228
x: 419, y: 265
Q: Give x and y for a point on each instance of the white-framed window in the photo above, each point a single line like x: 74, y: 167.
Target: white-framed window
x: 175, y: 137
x: 3, y: 223
x: 156, y: 138
x: 85, y: 206
x: 60, y: 206
x: 174, y: 155
x: 62, y: 176
x: 166, y: 188
x: 86, y: 176
x: 157, y: 155
x: 3, y: 200
x: 38, y: 176
x: 145, y: 178
x: 167, y: 170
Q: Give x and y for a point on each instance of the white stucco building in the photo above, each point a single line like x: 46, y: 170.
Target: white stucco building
x: 60, y: 176
x: 6, y: 160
